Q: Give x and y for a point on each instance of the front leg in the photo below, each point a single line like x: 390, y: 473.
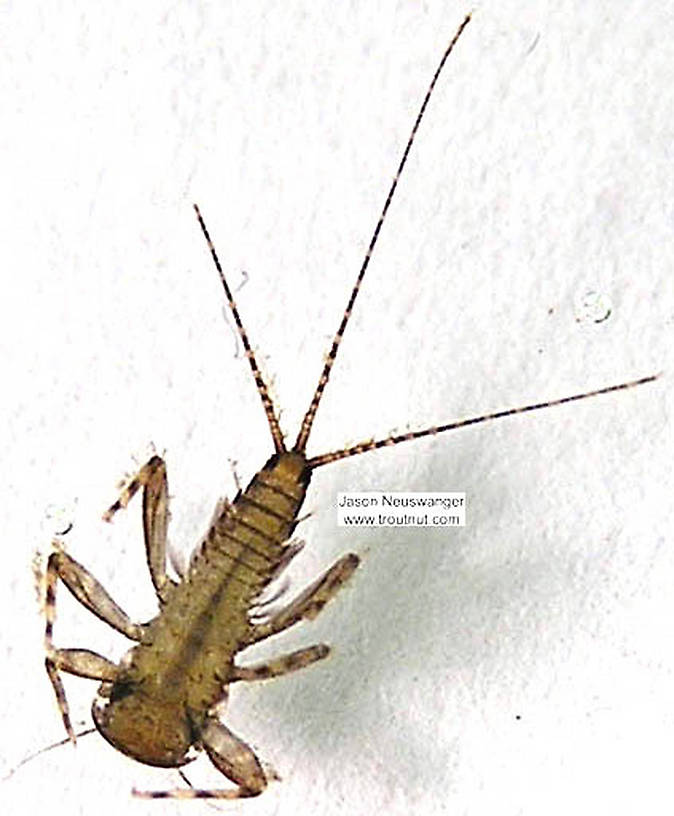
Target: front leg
x: 234, y: 758
x: 90, y: 593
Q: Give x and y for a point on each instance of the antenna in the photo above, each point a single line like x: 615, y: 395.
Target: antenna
x: 308, y: 421
x: 261, y: 385
x: 372, y: 444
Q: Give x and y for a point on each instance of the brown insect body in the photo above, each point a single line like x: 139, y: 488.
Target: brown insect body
x: 165, y: 696
x: 156, y: 706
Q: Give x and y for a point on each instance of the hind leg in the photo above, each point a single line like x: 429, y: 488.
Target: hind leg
x: 152, y: 478
x: 309, y: 602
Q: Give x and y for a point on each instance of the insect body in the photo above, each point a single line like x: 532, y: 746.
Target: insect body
x: 165, y: 696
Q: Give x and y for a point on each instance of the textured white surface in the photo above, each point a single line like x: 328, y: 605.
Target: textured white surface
x: 522, y: 665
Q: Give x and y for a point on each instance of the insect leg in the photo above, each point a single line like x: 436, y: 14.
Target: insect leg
x: 152, y: 478
x: 281, y: 665
x: 84, y: 663
x: 308, y: 603
x: 232, y: 757
x: 91, y: 594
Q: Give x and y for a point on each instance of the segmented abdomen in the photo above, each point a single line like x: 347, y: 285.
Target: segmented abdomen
x: 206, y: 620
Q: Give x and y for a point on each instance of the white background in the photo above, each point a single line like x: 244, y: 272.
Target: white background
x: 521, y: 665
